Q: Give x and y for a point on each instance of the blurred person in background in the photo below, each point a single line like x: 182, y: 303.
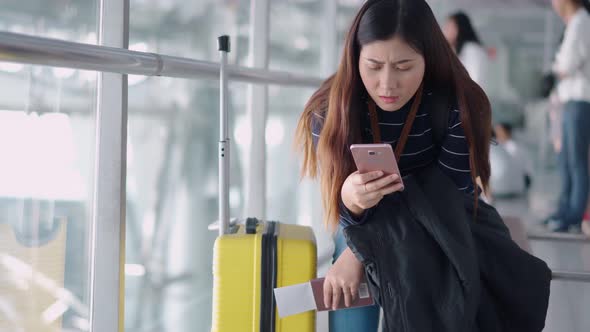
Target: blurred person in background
x: 503, y: 133
x: 572, y: 69
x: 507, y: 179
x: 460, y: 33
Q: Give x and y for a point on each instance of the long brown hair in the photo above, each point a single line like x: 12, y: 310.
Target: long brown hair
x: 338, y: 103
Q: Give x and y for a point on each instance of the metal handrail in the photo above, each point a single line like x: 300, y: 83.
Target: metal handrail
x: 561, y: 237
x: 571, y: 276
x: 25, y: 49
x: 575, y: 276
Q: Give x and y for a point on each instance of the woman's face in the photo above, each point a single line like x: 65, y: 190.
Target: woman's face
x: 451, y: 32
x: 391, y: 71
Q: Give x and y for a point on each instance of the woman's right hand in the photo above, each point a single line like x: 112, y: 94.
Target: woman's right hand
x: 342, y: 280
x: 363, y: 191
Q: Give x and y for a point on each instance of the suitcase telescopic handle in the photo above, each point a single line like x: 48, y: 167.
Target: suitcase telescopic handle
x: 223, y: 43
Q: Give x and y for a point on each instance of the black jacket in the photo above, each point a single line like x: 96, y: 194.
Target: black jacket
x: 432, y: 267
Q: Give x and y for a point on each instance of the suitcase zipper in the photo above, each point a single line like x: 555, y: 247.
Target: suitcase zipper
x: 268, y: 278
x: 274, y: 268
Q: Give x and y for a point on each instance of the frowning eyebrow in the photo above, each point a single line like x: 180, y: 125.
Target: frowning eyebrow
x: 395, y: 63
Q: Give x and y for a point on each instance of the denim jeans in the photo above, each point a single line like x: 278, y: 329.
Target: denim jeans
x: 365, y: 319
x: 573, y: 162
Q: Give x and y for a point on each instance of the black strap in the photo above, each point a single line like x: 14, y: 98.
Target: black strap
x: 401, y: 143
x: 440, y: 107
x: 439, y: 117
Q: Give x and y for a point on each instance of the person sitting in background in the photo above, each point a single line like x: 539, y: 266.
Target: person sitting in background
x: 462, y: 37
x: 507, y: 179
x: 503, y: 132
x: 572, y: 68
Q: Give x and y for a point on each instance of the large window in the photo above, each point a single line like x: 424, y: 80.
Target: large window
x: 172, y: 192
x: 47, y: 120
x: 46, y: 147
x: 171, y: 156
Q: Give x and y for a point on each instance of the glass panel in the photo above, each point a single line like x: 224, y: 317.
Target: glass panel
x: 172, y: 163
x: 347, y: 9
x: 295, y: 36
x: 190, y: 28
x: 171, y: 199
x: 47, y: 147
x: 72, y: 20
x: 283, y: 164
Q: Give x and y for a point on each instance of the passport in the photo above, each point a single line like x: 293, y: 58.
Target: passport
x: 308, y: 296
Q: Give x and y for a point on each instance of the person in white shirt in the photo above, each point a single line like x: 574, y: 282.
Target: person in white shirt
x: 460, y: 33
x: 572, y: 68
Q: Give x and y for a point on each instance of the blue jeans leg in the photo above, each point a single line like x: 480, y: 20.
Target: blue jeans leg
x: 563, y: 165
x: 365, y: 319
x: 578, y: 145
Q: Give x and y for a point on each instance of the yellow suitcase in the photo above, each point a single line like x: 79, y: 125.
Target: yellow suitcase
x: 249, y: 261
x: 249, y: 264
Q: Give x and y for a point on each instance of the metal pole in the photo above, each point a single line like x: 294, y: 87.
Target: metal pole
x: 565, y: 237
x: 108, y: 207
x: 19, y: 48
x: 224, y: 146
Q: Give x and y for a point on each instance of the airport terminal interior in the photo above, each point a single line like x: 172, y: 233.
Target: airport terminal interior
x: 109, y: 182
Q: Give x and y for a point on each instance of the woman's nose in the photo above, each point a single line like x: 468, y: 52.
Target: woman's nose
x: 389, y: 82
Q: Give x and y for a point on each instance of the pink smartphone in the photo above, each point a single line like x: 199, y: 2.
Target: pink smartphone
x: 374, y: 157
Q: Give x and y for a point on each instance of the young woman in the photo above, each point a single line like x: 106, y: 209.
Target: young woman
x: 572, y: 68
x: 389, y: 64
x: 462, y: 36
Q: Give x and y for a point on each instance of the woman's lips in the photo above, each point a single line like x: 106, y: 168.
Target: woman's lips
x: 389, y: 100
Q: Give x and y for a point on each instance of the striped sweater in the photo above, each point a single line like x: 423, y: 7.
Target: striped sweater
x: 420, y: 149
